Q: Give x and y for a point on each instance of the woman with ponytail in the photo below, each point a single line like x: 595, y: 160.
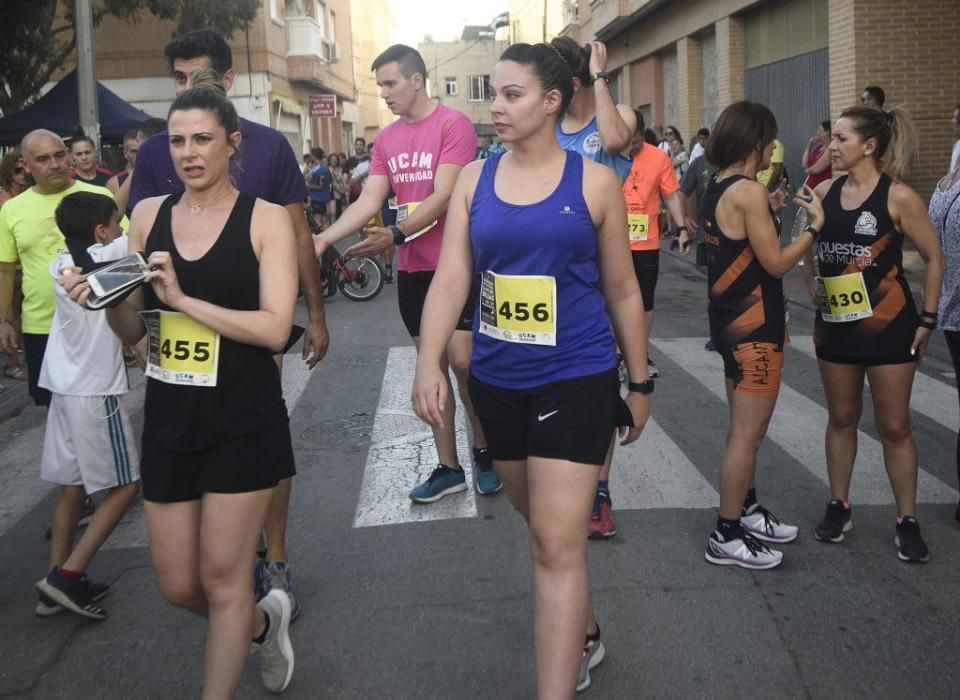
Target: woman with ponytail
x: 868, y: 325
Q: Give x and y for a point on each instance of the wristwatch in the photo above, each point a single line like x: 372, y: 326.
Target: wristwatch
x: 600, y: 75
x: 813, y: 231
x: 641, y: 387
x: 398, y: 235
x: 682, y: 228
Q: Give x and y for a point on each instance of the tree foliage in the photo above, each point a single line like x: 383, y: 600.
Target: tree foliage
x: 37, y: 36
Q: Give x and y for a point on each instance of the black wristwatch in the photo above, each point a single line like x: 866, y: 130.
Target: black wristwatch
x: 600, y: 75
x: 682, y: 228
x: 813, y: 231
x: 398, y: 235
x: 641, y: 387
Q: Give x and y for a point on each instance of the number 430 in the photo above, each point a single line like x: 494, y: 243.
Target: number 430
x: 181, y: 350
x: 521, y: 310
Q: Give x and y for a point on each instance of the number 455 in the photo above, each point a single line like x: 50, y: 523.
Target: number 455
x: 182, y: 351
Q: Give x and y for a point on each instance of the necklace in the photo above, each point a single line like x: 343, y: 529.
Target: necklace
x: 197, y: 208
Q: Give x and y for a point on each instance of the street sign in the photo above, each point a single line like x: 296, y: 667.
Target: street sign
x: 323, y: 105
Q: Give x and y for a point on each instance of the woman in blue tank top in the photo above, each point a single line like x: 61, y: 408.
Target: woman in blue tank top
x: 544, y: 230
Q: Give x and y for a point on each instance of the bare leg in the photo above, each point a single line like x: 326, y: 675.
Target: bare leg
x: 458, y: 355
x: 560, y: 497
x: 749, y: 417
x: 891, y: 386
x: 105, y: 519
x: 843, y: 386
x: 229, y: 532
x: 445, y: 438
x: 63, y: 526
x: 275, y: 526
x: 174, y: 533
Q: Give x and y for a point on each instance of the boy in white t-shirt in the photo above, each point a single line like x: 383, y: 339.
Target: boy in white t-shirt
x: 88, y: 445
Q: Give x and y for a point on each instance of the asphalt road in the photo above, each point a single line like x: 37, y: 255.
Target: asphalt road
x: 404, y: 601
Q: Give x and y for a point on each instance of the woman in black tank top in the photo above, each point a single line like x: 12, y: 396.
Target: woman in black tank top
x: 747, y: 322
x: 867, y: 325
x: 216, y: 440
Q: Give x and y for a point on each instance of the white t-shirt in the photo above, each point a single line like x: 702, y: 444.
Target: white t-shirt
x: 696, y: 151
x: 84, y: 357
x: 955, y: 158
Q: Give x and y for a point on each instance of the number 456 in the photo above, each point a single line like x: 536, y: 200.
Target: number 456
x: 521, y: 310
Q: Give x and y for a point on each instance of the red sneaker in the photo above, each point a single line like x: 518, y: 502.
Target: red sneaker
x: 601, y: 525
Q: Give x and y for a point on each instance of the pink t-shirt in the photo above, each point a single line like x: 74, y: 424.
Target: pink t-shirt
x: 409, y: 154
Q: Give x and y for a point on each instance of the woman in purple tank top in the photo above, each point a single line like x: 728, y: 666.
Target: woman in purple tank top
x: 545, y: 230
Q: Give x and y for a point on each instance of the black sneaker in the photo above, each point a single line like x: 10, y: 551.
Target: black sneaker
x: 836, y: 521
x: 47, y: 606
x: 910, y: 545
x: 956, y: 516
x: 72, y: 594
x: 388, y: 275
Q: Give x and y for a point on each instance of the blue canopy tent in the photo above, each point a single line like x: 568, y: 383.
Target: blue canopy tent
x: 59, y: 112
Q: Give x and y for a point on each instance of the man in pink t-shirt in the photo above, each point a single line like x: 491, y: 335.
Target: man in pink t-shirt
x: 419, y: 157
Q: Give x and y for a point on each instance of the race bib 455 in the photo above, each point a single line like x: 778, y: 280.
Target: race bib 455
x: 181, y: 351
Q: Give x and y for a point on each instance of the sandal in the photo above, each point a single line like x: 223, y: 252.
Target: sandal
x: 14, y: 372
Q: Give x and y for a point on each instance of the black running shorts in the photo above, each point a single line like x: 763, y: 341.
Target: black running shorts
x: 646, y: 263
x: 252, y: 462
x: 572, y: 420
x: 412, y: 290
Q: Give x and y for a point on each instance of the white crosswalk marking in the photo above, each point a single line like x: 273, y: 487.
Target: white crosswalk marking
x: 931, y: 398
x: 654, y: 472
x: 396, y: 462
x: 797, y: 426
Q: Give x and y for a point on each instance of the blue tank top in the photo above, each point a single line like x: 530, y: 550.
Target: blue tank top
x: 551, y: 239
x: 586, y: 142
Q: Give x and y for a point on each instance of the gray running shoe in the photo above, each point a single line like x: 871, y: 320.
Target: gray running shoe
x: 276, y: 651
x: 593, y: 653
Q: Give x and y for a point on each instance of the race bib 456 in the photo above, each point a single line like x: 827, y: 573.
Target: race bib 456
x: 519, y: 308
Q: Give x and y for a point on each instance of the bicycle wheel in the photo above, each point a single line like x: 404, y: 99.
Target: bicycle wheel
x: 361, y: 279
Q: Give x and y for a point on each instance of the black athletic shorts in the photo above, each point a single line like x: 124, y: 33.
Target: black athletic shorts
x: 573, y: 419
x: 646, y: 263
x: 34, y: 347
x: 318, y: 207
x: 412, y: 290
x: 252, y: 462
x: 894, y: 358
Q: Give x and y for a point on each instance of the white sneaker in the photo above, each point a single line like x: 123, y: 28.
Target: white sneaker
x: 764, y: 525
x: 593, y: 654
x: 276, y: 651
x: 746, y: 551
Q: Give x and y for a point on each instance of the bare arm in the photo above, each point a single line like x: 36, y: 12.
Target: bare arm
x: 616, y: 123
x: 8, y: 335
x: 317, y: 338
x: 750, y: 198
x: 448, y: 293
x: 357, y: 215
x: 618, y: 284
x: 113, y: 184
x: 122, y: 195
x: 429, y: 211
x: 822, y: 164
x: 910, y: 217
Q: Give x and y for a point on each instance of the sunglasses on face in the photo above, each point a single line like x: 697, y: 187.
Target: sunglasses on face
x: 19, y: 170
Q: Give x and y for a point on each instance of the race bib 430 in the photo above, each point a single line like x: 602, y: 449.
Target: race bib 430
x: 181, y: 351
x: 843, y: 299
x: 519, y: 308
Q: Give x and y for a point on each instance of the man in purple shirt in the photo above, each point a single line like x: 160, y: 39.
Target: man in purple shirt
x: 266, y: 168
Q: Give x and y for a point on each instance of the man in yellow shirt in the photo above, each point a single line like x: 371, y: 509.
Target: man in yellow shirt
x: 29, y: 233
x: 770, y: 178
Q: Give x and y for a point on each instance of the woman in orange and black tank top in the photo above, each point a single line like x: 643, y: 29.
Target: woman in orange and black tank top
x: 868, y: 324
x: 747, y: 322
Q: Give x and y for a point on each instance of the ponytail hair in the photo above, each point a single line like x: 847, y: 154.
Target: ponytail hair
x: 894, y: 132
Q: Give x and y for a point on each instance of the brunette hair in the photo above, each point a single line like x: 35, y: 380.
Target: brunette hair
x: 79, y: 214
x: 408, y: 60
x: 200, y: 43
x: 877, y: 94
x: 741, y: 128
x: 549, y: 67
x: 209, y: 99
x: 575, y: 56
x: 7, y: 165
x: 826, y: 125
x: 894, y: 132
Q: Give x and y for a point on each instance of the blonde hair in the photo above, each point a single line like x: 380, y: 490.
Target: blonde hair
x: 894, y: 132
x: 208, y: 78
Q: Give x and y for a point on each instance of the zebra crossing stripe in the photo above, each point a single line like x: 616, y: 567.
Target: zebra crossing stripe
x: 798, y: 425
x: 654, y: 472
x: 931, y: 398
x: 402, y: 454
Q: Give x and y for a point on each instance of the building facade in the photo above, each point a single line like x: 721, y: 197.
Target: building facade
x: 681, y: 63
x: 372, y: 32
x: 537, y: 21
x: 292, y: 50
x: 460, y: 73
